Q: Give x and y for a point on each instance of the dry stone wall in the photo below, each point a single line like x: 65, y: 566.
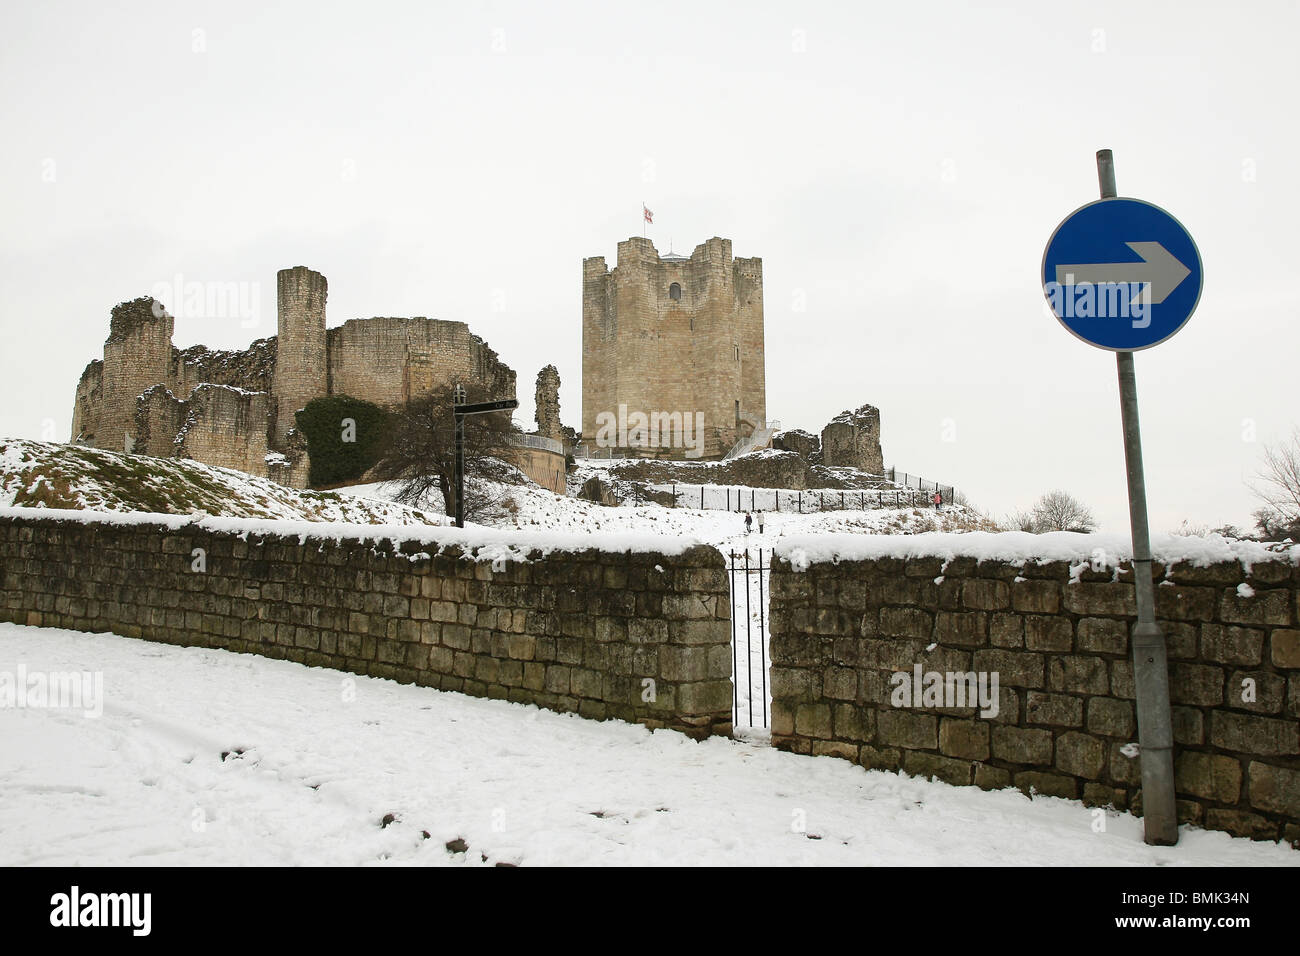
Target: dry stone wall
x: 641, y: 637
x: 1059, y: 643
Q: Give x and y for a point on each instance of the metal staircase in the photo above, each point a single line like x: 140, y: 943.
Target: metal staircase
x: 760, y: 437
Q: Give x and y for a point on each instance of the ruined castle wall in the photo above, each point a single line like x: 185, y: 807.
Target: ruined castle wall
x: 747, y: 284
x: 599, y: 329
x: 852, y: 440
x: 88, y: 408
x: 137, y: 355
x: 159, y: 417
x: 389, y: 361
x: 547, y: 403
x: 252, y: 369
x: 301, y: 363
x: 213, y: 405
x: 227, y: 427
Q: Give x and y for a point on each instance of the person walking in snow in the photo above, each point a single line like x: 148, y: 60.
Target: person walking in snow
x: 748, y: 522
x: 938, y: 500
x: 760, y: 522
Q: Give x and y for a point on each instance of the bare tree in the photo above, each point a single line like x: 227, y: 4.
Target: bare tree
x: 1277, y: 485
x: 421, y: 453
x: 1019, y: 520
x: 1059, y: 511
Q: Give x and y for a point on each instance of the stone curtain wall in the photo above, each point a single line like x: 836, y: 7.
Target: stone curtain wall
x: 569, y: 631
x: 389, y: 361
x: 1061, y: 650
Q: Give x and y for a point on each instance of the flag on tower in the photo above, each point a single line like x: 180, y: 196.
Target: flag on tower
x: 645, y: 211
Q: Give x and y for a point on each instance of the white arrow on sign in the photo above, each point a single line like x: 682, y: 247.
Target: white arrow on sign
x: 1159, y: 268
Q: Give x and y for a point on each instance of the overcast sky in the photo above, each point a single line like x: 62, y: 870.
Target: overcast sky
x: 898, y: 167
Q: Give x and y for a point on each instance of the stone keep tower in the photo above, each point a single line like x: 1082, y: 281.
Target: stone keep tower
x: 301, y: 363
x: 671, y: 334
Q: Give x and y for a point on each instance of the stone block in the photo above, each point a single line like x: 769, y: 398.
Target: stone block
x: 1080, y: 754
x: 1209, y: 776
x: 1274, y: 789
x: 1198, y: 684
x: 1078, y: 674
x: 1241, y: 823
x: 932, y: 766
x: 1271, y: 607
x: 1036, y: 597
x: 1249, y: 734
x: 1047, y: 784
x: 1044, y: 633
x: 813, y: 720
x: 901, y: 728
x: 1110, y: 717
x: 964, y: 738
x: 980, y: 594
x: 1103, y: 635
x: 1112, y: 599
x: 906, y: 622
x: 1260, y: 691
x: 1014, y: 668
x: 1022, y: 745
x: 1231, y: 645
x: 1007, y: 630
x: 1054, y: 710
x: 1284, y: 648
x: 963, y: 629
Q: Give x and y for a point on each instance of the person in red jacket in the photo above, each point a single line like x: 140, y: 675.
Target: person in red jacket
x: 938, y: 499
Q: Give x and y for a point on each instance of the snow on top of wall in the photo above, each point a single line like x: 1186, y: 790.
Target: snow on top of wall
x: 1017, y: 547
x: 480, y: 543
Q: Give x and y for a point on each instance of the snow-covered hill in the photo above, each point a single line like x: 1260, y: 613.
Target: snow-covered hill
x: 44, y: 474
x: 38, y: 474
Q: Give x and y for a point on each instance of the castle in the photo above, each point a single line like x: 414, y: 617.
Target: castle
x: 672, y: 351
x: 236, y: 408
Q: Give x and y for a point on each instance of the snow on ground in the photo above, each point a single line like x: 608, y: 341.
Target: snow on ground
x: 528, y: 507
x: 310, y: 774
x: 1099, y: 549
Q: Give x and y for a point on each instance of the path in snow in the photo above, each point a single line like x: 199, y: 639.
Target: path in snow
x: 146, y: 783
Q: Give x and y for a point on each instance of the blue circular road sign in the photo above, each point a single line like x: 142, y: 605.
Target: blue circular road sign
x: 1122, y: 274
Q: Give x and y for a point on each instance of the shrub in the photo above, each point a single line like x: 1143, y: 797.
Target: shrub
x: 345, y: 437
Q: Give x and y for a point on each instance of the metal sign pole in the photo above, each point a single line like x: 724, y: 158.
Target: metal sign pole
x: 460, y: 470
x: 461, y: 411
x: 1150, y: 661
